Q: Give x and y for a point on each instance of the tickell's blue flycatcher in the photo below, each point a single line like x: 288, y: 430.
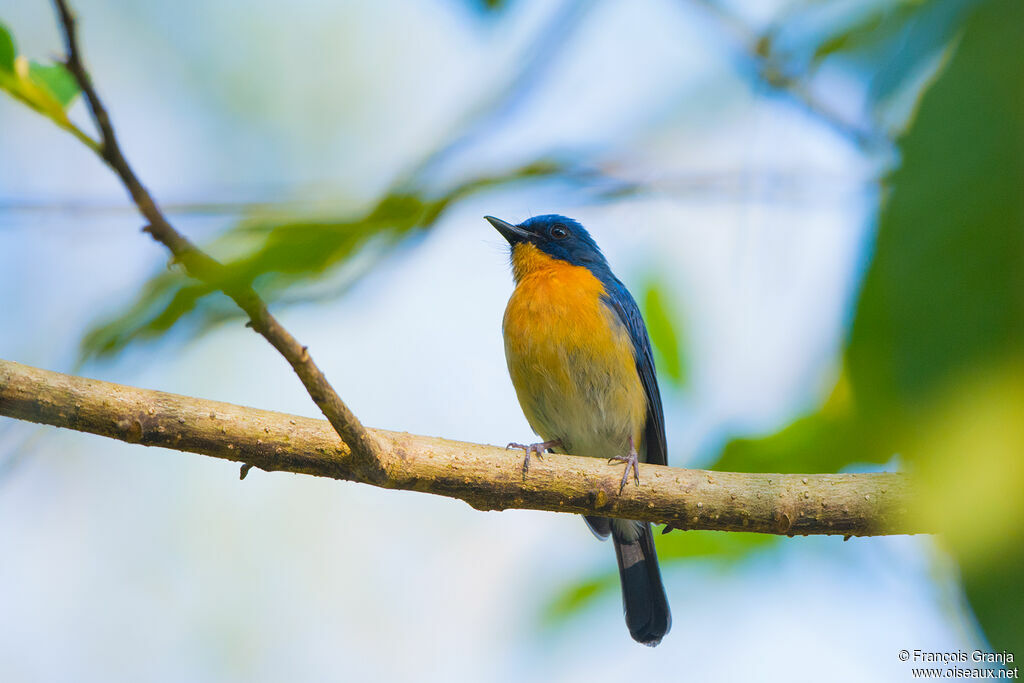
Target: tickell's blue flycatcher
x: 581, y: 363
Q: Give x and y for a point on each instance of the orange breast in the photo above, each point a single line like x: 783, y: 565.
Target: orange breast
x: 570, y: 357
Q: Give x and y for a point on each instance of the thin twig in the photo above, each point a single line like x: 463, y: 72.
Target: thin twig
x: 755, y: 49
x: 200, y: 265
x: 486, y: 477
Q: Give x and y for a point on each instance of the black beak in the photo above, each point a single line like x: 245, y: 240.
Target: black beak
x: 512, y: 233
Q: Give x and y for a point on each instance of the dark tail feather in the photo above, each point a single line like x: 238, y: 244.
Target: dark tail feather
x: 643, y: 595
x: 599, y: 526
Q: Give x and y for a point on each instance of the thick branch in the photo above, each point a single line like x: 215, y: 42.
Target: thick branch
x: 486, y: 477
x: 203, y: 267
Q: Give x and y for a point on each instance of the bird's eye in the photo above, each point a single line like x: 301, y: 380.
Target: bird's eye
x: 559, y: 231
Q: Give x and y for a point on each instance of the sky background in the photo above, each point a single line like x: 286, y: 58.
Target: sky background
x: 120, y: 563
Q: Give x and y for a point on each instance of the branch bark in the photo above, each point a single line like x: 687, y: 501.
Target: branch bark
x: 486, y: 477
x: 203, y: 267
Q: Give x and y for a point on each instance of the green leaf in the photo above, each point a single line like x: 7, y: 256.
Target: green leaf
x: 662, y: 327
x: 970, y: 485
x: 874, y: 27
x: 719, y: 546
x: 890, y: 43
x: 7, y: 50
x: 576, y: 597
x: 675, y: 547
x: 57, y: 81
x: 277, y: 257
x: 287, y: 261
x: 46, y: 89
x: 939, y: 325
x: 944, y: 298
x: 826, y: 441
x: 944, y: 292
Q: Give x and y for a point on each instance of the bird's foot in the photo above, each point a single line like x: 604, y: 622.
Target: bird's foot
x: 534, y: 448
x: 632, y: 460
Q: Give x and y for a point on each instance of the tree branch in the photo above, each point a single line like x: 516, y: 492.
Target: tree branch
x: 486, y: 477
x: 203, y: 267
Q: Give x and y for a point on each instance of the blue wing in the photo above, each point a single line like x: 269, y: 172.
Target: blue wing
x: 621, y: 301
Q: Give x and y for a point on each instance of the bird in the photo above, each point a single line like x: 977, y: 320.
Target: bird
x: 581, y: 363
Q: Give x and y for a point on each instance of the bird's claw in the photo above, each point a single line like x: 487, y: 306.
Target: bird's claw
x: 537, y: 449
x: 632, y: 460
x: 529, y: 449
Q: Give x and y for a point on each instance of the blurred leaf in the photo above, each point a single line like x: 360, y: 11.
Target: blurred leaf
x: 813, y: 443
x: 574, y: 598
x: 945, y: 291
x: 869, y: 30
x: 891, y: 45
x: 959, y: 198
x: 713, y: 545
x: 488, y: 5
x: 972, y: 478
x: 662, y: 327
x: 943, y: 300
x: 974, y: 471
x: 7, y: 50
x: 928, y: 31
x: 994, y: 592
x: 286, y: 261
x: 57, y: 80
x: 677, y: 546
x: 281, y: 255
x: 46, y: 89
x: 827, y: 441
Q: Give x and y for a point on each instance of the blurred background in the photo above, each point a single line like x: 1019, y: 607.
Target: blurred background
x: 819, y: 205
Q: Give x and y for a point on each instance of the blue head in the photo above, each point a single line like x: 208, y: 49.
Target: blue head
x: 557, y: 236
